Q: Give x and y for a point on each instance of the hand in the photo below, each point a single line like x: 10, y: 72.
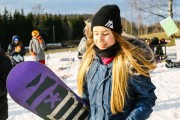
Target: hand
x: 18, y: 48
x: 40, y: 39
x: 33, y: 54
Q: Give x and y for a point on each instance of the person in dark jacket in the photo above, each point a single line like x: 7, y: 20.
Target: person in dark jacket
x: 5, y: 67
x: 156, y: 42
x: 113, y: 78
x: 16, y: 50
x: 82, y: 45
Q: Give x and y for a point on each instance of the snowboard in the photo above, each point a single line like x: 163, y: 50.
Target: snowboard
x: 171, y: 64
x: 38, y: 89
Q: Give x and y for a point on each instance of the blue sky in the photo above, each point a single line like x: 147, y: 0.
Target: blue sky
x: 79, y: 7
x: 60, y: 6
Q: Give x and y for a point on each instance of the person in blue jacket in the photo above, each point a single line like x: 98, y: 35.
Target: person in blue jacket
x: 113, y: 78
x: 16, y: 50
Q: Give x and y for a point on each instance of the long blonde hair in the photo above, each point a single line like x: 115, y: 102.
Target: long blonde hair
x: 129, y: 54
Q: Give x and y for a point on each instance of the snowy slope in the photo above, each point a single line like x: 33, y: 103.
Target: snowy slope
x: 167, y: 82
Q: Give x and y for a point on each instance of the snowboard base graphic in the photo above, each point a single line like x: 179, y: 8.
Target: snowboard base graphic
x: 171, y: 64
x: 35, y: 87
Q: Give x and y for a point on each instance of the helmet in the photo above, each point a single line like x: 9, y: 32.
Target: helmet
x: 15, y: 38
x: 35, y: 33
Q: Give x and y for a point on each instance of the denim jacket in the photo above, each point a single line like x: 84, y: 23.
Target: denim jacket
x: 97, y: 93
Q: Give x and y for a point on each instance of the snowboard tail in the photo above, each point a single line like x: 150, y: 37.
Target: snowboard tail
x: 43, y: 93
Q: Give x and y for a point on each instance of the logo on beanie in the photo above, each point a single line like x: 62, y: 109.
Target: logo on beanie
x: 109, y: 24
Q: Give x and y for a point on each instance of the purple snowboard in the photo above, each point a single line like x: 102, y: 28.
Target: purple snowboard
x: 35, y: 87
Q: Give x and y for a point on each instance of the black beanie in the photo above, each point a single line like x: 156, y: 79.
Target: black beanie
x: 108, y: 16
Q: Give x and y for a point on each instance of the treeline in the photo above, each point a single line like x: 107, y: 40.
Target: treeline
x: 141, y: 29
x: 57, y: 28
x: 53, y: 28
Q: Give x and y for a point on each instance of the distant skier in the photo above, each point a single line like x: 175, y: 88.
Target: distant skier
x: 37, y: 47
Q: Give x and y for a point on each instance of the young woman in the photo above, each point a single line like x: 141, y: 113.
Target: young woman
x: 114, y: 76
x: 16, y: 50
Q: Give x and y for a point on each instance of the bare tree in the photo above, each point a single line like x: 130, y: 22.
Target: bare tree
x: 160, y: 8
x: 37, y: 9
x: 170, y: 11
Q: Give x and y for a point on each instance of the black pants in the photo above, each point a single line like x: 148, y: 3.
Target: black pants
x: 3, y: 107
x: 159, y: 51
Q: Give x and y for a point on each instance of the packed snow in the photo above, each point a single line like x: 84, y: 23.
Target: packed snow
x: 166, y: 80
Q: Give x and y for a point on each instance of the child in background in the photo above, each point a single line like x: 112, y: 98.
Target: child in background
x: 16, y: 50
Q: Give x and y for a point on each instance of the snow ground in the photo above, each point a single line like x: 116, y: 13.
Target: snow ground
x: 166, y: 80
